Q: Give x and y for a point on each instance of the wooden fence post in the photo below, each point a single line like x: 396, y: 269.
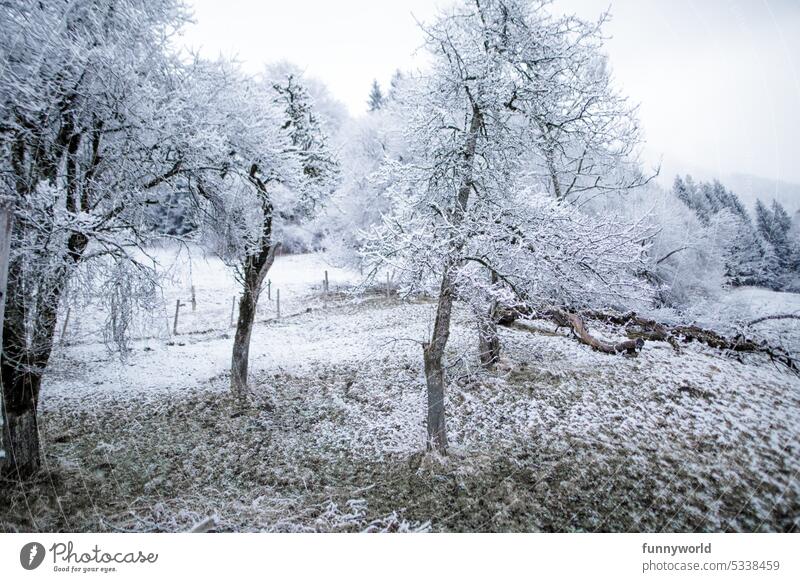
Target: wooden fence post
x: 64, y: 327
x: 194, y: 300
x: 175, y: 321
x: 326, y: 282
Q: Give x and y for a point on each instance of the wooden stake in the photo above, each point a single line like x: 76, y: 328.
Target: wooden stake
x: 175, y: 321
x: 64, y: 327
x: 278, y: 303
x: 326, y: 282
x: 269, y: 289
x: 194, y: 300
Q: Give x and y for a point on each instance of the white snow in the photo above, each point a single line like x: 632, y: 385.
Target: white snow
x: 560, y: 437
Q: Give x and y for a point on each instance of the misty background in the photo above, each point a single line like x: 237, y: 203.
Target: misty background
x: 717, y: 81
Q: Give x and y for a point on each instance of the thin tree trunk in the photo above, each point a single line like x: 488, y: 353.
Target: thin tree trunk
x: 6, y: 224
x: 433, y: 351
x: 433, y: 354
x: 488, y: 340
x: 241, y: 345
x: 255, y: 270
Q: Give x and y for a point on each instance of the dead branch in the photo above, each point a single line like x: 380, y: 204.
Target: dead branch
x: 773, y: 317
x: 640, y: 329
x: 575, y: 322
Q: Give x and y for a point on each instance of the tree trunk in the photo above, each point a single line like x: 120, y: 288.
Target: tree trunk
x: 255, y: 271
x: 21, y: 375
x: 433, y: 354
x: 21, y: 435
x: 6, y: 224
x: 488, y: 340
x: 25, y: 355
x: 575, y: 322
x: 241, y: 345
x: 22, y: 365
x: 433, y: 351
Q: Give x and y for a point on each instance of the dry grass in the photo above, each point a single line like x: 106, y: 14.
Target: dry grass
x: 558, y: 439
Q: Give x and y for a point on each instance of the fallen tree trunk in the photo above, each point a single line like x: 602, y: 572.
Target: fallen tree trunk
x: 575, y: 322
x: 640, y: 329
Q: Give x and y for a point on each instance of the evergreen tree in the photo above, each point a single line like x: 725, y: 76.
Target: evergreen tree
x: 781, y: 258
x: 774, y: 225
x: 696, y: 197
x: 376, y: 98
x: 744, y: 250
x: 744, y: 253
x: 394, y: 85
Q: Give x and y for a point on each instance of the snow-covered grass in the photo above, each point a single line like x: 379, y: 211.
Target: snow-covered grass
x: 559, y: 438
x: 216, y: 293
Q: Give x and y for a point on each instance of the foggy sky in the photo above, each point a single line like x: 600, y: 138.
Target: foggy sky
x: 718, y: 81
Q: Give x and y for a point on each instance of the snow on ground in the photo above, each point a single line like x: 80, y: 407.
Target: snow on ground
x: 216, y: 293
x: 559, y: 438
x: 201, y: 351
x: 743, y: 304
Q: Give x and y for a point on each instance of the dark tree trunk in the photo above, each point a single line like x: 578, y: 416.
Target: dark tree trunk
x: 28, y: 325
x: 488, y: 340
x: 433, y: 351
x: 22, y: 365
x: 433, y: 354
x: 21, y: 437
x: 25, y: 356
x: 255, y: 270
x: 241, y: 344
x: 6, y: 224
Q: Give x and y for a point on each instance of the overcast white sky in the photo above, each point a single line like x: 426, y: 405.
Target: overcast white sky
x: 718, y: 81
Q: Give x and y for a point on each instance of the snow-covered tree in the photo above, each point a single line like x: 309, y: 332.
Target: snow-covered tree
x: 263, y: 168
x: 376, y: 98
x: 725, y: 220
x: 85, y: 123
x: 513, y: 95
x: 395, y: 85
x: 362, y: 197
x: 782, y: 255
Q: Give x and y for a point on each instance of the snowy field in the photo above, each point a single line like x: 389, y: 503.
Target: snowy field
x: 559, y: 438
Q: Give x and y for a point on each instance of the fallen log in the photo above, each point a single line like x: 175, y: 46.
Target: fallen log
x: 640, y: 329
x: 575, y: 322
x: 637, y: 326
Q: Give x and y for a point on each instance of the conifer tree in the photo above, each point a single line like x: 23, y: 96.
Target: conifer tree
x: 376, y: 98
